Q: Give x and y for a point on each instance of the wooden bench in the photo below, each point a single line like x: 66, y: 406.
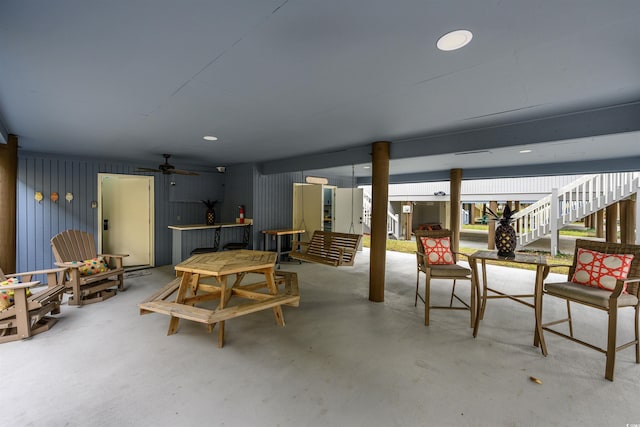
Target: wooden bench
x: 329, y: 248
x: 70, y: 249
x: 28, y: 315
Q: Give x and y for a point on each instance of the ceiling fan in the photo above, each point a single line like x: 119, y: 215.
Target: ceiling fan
x: 167, y: 169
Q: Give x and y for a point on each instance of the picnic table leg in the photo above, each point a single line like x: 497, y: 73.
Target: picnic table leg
x: 269, y: 275
x: 182, y: 292
x: 224, y: 297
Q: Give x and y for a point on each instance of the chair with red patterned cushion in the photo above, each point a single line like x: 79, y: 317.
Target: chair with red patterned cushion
x: 437, y: 261
x: 605, y: 276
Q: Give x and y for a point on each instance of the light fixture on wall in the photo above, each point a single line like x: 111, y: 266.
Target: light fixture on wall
x: 221, y: 169
x: 316, y: 180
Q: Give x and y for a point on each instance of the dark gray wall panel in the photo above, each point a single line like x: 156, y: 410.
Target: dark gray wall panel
x: 238, y: 191
x: 273, y: 203
x: 37, y: 222
x: 267, y: 199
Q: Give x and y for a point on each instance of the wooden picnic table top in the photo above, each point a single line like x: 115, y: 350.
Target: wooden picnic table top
x: 228, y: 262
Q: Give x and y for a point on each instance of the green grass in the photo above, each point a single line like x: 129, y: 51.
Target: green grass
x: 483, y: 227
x: 408, y: 246
x: 586, y: 232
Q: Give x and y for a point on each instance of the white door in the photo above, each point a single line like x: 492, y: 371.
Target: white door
x: 307, y: 209
x: 126, y: 217
x: 348, y: 211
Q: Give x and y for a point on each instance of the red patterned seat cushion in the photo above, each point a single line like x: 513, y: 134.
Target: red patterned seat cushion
x: 437, y: 250
x: 601, y: 270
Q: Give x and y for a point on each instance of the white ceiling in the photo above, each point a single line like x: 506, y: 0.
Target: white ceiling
x: 277, y: 79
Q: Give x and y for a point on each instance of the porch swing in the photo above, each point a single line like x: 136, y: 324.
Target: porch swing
x: 329, y: 247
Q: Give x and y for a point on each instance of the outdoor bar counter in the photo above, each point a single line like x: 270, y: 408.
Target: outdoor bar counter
x: 185, y: 238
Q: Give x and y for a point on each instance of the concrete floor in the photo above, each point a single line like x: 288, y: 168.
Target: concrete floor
x: 339, y: 361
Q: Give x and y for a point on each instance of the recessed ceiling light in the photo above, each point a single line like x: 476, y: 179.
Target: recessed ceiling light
x: 525, y: 151
x: 366, y: 167
x: 454, y: 40
x: 211, y: 138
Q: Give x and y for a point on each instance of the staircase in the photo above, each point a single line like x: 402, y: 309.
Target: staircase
x: 393, y: 220
x: 571, y: 203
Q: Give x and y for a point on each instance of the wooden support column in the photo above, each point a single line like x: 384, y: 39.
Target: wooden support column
x: 622, y: 212
x: 600, y: 223
x: 491, y: 226
x: 629, y: 221
x: 379, y: 202
x: 455, y: 188
x: 8, y: 181
x: 612, y: 223
x: 407, y: 220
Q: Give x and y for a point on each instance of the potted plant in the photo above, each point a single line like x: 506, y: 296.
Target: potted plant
x: 211, y: 214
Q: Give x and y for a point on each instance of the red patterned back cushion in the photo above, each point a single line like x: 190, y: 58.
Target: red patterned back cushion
x: 437, y: 250
x: 601, y: 270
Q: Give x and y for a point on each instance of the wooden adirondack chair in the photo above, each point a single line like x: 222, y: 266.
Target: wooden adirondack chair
x: 71, y: 249
x: 28, y: 315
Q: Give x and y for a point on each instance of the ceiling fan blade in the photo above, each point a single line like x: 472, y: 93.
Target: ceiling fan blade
x: 181, y: 172
x: 167, y: 169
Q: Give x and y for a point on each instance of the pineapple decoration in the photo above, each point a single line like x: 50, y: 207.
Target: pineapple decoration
x: 211, y: 213
x: 505, y: 234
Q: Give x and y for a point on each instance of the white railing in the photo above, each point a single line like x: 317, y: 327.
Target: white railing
x: 393, y: 220
x: 393, y: 225
x: 573, y: 202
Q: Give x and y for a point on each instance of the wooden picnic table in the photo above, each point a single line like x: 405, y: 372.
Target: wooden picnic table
x: 221, y: 266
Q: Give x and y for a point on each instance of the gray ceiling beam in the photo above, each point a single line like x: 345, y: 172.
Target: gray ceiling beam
x: 602, y: 121
x: 350, y: 156
x: 623, y: 164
